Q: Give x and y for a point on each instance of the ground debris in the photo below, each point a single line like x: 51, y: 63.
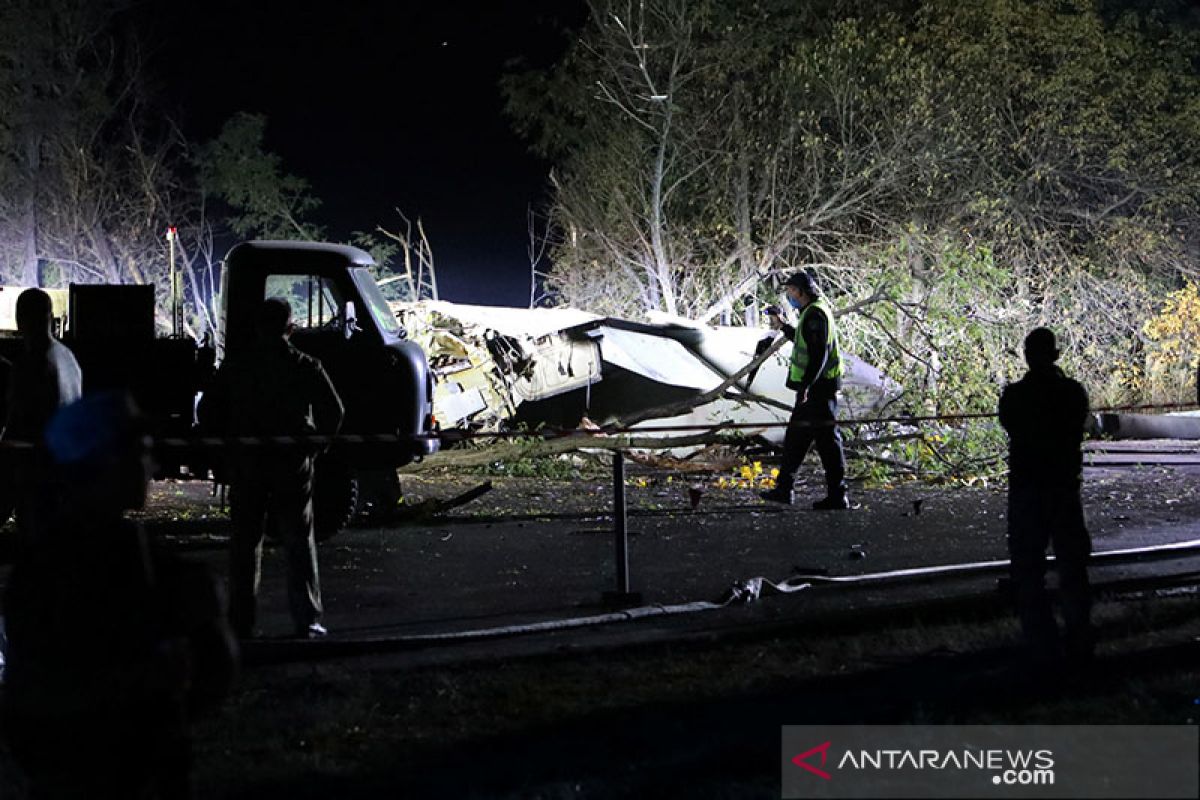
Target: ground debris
x: 714, y: 458
x: 434, y: 506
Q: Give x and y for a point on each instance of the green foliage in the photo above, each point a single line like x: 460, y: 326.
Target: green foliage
x: 383, y: 252
x: 964, y: 452
x: 944, y: 326
x: 958, y: 173
x: 264, y: 201
x: 555, y: 468
x: 1173, y: 351
x: 519, y: 457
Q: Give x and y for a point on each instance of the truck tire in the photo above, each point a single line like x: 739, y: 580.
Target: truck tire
x: 378, y: 495
x: 8, y: 534
x: 335, y: 497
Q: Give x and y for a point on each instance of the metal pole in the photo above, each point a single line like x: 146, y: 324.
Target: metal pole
x: 620, y: 523
x: 176, y: 309
x: 622, y: 597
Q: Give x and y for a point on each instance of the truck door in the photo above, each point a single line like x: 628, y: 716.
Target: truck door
x: 318, y: 314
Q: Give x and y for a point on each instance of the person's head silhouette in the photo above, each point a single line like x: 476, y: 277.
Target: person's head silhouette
x: 274, y: 319
x: 1041, y: 348
x: 35, y: 315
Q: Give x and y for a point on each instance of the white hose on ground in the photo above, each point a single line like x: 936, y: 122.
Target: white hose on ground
x: 742, y: 592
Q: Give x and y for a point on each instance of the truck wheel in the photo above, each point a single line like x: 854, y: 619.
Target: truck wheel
x: 379, y: 494
x: 335, y: 497
x: 8, y: 536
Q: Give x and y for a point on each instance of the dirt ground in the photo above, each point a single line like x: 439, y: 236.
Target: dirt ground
x: 656, y: 706
x: 536, y: 547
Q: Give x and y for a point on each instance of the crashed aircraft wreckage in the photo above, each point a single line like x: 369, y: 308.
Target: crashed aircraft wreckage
x: 509, y: 367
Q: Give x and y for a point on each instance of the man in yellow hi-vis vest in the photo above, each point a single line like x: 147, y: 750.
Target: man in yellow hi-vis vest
x: 815, y: 375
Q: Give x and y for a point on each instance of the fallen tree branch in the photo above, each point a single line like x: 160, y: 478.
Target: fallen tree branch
x: 434, y: 506
x: 700, y: 462
x: 891, y: 462
x: 757, y: 399
x: 510, y: 451
x: 517, y: 451
x: 900, y: 437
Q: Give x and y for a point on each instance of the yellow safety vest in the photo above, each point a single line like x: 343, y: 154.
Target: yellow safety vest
x: 833, y: 365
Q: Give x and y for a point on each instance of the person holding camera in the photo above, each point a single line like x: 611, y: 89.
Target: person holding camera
x: 815, y: 374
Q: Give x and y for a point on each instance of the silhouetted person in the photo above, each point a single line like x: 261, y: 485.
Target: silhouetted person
x: 273, y: 390
x: 44, y: 378
x: 815, y: 374
x: 113, y: 645
x: 1045, y: 413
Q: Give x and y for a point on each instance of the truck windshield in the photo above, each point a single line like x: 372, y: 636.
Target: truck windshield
x: 376, y: 303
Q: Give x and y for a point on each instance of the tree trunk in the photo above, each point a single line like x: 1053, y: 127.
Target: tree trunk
x: 108, y: 260
x: 662, y: 266
x: 745, y: 238
x: 30, y: 263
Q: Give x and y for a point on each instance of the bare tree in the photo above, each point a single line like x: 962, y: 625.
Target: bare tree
x: 418, y: 281
x: 949, y: 184
x: 642, y: 61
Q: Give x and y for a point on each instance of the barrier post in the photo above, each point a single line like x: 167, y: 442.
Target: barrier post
x: 621, y: 596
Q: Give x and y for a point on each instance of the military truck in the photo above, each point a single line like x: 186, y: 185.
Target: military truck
x: 340, y: 317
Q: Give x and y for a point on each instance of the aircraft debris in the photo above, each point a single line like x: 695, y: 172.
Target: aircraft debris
x: 503, y: 368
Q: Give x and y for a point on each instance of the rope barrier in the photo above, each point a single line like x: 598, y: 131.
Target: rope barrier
x: 364, y: 439
x: 719, y: 426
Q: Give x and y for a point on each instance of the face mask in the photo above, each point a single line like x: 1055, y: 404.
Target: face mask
x: 793, y: 302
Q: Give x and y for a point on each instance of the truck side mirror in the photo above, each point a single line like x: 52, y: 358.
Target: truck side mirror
x: 351, y: 317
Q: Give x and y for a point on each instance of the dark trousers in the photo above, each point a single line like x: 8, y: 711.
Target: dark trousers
x: 1040, y: 515
x: 814, y: 422
x: 278, y: 489
x: 34, y: 497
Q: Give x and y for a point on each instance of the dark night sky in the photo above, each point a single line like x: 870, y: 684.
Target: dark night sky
x: 379, y: 105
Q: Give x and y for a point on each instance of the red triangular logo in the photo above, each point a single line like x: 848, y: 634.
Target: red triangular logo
x: 801, y: 760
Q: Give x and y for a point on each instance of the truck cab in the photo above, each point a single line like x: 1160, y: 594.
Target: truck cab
x: 340, y: 317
